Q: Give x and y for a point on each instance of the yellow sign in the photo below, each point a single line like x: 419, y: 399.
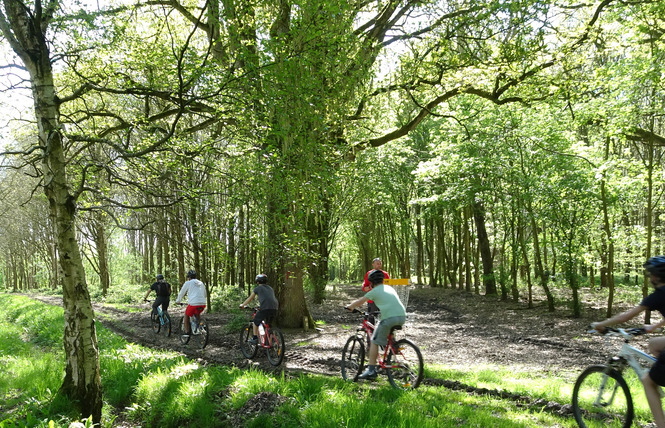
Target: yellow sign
x: 396, y: 281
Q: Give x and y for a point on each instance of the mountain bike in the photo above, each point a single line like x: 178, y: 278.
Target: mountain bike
x: 401, y: 360
x: 601, y: 396
x: 270, y: 339
x: 199, y: 333
x: 161, y: 320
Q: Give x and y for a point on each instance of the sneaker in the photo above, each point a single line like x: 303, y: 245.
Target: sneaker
x: 253, y: 341
x: 186, y: 336
x: 369, y: 373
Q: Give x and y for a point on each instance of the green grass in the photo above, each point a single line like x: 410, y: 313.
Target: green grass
x: 148, y: 387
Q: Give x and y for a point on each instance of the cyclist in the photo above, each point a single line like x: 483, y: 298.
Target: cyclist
x: 163, y: 292
x: 655, y: 301
x: 392, y: 314
x: 196, y: 299
x: 377, y: 263
x: 268, y: 304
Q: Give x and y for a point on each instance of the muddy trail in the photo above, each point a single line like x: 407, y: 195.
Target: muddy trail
x: 451, y: 327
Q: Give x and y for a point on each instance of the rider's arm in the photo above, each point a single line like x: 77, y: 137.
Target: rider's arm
x: 147, y: 294
x: 249, y: 299
x: 620, y: 318
x: 653, y: 327
x: 357, y: 303
x: 182, y: 293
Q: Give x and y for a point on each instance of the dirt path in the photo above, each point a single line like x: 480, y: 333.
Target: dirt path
x: 451, y: 327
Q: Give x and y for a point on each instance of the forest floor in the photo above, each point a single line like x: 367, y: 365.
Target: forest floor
x: 452, y: 327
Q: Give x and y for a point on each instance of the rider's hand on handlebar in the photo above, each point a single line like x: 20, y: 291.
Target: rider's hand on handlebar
x: 598, y: 328
x: 242, y: 306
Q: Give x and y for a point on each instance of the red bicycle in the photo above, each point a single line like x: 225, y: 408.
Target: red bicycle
x: 401, y: 360
x: 270, y: 339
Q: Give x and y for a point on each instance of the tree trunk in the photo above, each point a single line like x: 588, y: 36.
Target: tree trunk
x: 485, y: 250
x: 26, y: 32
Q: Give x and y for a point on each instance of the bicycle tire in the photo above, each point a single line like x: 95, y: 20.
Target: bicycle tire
x: 201, y: 336
x: 404, y: 365
x: 248, y: 350
x: 353, y: 358
x: 156, y: 325
x: 184, y: 340
x: 601, y: 382
x: 275, y: 352
x: 167, y: 323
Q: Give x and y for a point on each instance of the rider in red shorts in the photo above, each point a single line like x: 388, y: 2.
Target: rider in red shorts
x: 197, y: 299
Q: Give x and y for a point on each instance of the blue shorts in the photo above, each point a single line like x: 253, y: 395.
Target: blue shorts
x: 380, y: 336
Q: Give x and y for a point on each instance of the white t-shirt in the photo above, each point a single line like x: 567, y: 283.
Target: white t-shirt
x: 196, y: 291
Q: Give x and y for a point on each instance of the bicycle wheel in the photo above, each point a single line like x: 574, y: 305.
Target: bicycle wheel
x: 184, y: 340
x: 276, y: 350
x: 247, y: 349
x: 404, y: 365
x: 156, y: 325
x: 353, y: 358
x: 601, y: 398
x: 200, y: 338
x: 167, y: 324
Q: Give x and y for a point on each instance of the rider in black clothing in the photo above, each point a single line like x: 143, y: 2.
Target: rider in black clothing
x: 163, y: 292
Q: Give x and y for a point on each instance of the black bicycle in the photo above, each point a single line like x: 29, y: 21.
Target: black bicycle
x: 161, y: 321
x: 270, y: 339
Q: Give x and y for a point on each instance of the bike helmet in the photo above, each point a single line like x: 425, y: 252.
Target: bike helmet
x: 191, y: 274
x: 376, y: 277
x: 160, y: 277
x: 261, y: 278
x: 656, y: 266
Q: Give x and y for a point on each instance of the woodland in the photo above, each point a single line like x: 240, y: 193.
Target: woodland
x: 507, y: 148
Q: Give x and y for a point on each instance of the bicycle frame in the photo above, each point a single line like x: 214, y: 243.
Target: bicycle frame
x: 368, y: 328
x: 264, y: 339
x: 632, y: 357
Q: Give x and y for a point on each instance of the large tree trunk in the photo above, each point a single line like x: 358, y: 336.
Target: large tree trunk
x: 25, y: 30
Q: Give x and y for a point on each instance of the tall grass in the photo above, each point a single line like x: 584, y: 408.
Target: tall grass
x: 146, y: 387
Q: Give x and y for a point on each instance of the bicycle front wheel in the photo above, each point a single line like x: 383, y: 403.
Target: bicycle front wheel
x: 404, y: 365
x: 156, y: 325
x: 184, y: 340
x: 601, y: 398
x: 353, y: 358
x: 200, y: 338
x: 247, y: 349
x: 276, y: 350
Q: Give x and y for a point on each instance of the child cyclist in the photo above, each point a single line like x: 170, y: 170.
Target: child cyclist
x: 392, y: 314
x: 655, y: 301
x: 268, y: 304
x: 196, y: 291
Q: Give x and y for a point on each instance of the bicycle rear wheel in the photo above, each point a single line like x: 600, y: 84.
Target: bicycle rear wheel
x: 353, y: 358
x: 184, y: 340
x: 601, y: 398
x: 247, y: 349
x: 167, y: 324
x: 404, y: 365
x: 200, y: 338
x: 156, y: 325
x: 275, y: 352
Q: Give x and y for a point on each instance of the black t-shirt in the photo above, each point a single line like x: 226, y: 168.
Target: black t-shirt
x: 655, y: 301
x: 162, y: 289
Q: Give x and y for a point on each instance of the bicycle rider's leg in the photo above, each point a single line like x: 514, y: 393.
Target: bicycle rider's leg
x: 656, y: 345
x: 165, y: 303
x: 155, y: 304
x: 653, y: 397
x: 373, y: 353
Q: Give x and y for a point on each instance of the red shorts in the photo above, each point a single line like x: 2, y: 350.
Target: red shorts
x: 194, y: 310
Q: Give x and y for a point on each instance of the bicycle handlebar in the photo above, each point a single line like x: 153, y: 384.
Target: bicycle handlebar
x: 627, y: 333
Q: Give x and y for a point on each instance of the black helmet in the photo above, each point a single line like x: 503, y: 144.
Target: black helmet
x: 261, y: 278
x: 376, y: 277
x: 160, y: 277
x: 191, y: 274
x: 656, y: 266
